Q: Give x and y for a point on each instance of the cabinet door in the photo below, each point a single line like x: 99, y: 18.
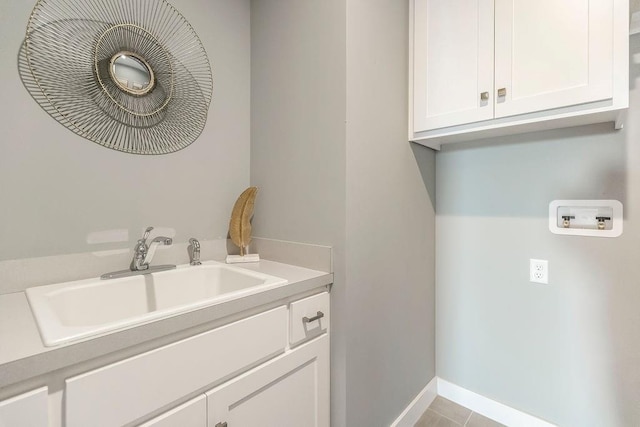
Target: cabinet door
x: 26, y: 410
x: 289, y: 391
x: 190, y: 414
x: 552, y: 54
x: 452, y: 62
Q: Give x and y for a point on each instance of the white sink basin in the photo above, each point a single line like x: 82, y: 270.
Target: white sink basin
x: 71, y: 311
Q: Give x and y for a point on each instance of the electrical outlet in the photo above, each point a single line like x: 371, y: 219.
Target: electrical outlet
x: 539, y: 271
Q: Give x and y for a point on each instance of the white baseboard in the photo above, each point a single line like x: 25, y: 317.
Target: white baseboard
x: 477, y: 403
x: 416, y: 408
x: 487, y: 407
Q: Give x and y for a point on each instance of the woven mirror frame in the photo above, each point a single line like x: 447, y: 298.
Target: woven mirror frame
x: 130, y: 75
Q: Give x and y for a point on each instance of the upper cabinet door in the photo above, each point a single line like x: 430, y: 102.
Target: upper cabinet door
x: 551, y: 54
x: 452, y: 62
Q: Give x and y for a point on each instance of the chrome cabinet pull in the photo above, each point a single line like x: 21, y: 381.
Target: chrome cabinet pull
x: 224, y: 424
x: 502, y: 91
x: 484, y: 96
x: 319, y: 315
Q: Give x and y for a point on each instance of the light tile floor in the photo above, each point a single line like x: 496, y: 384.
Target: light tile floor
x: 445, y: 413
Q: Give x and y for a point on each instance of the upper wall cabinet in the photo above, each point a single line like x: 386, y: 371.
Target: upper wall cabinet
x: 483, y: 68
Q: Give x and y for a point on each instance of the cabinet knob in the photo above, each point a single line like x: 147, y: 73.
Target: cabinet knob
x: 224, y: 424
x: 502, y: 92
x: 484, y: 96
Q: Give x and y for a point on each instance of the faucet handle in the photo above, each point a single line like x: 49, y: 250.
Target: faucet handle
x: 145, y: 236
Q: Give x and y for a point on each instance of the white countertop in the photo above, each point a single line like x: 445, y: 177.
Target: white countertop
x: 23, y: 355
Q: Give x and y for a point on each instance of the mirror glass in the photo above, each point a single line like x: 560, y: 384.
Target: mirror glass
x: 131, y: 73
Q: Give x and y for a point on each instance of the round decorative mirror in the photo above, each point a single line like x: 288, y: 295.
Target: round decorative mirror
x: 139, y: 80
x: 131, y: 73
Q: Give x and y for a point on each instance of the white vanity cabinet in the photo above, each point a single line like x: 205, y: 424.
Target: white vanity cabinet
x: 25, y: 410
x: 291, y: 390
x: 492, y: 67
x: 125, y: 391
x: 246, y: 373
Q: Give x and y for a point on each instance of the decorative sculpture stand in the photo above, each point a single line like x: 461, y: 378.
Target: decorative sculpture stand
x: 240, y: 226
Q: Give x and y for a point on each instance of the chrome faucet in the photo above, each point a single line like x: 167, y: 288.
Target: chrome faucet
x: 143, y: 253
x: 194, y: 251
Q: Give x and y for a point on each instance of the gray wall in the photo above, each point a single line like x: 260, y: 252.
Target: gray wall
x: 390, y: 223
x: 356, y: 187
x: 297, y: 119
x: 57, y: 188
x: 298, y: 141
x: 567, y: 352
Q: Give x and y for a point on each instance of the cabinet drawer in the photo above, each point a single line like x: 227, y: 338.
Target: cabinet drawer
x: 127, y: 390
x: 26, y: 410
x: 190, y: 414
x: 309, y: 318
